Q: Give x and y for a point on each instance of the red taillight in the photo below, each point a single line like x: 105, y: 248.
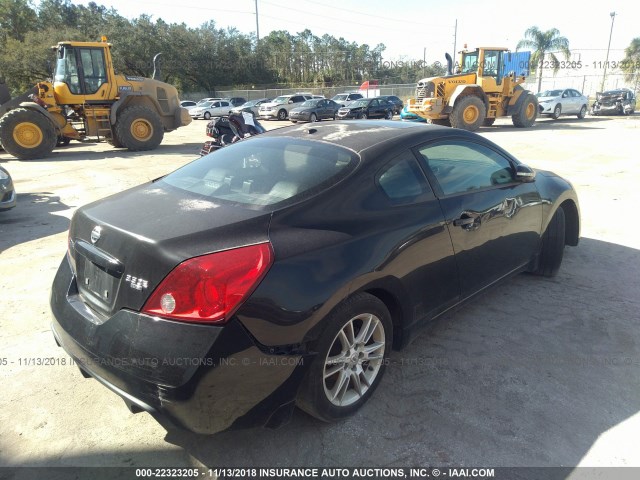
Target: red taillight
x: 210, y: 288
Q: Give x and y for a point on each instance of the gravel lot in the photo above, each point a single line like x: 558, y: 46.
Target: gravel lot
x: 534, y: 372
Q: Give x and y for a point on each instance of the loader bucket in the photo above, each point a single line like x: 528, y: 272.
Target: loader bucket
x: 7, y: 103
x: 5, y: 96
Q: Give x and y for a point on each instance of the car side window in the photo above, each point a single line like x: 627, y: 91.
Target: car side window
x: 460, y: 166
x: 374, y: 103
x: 402, y: 181
x: 224, y: 104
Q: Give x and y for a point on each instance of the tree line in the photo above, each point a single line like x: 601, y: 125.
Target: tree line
x: 205, y: 58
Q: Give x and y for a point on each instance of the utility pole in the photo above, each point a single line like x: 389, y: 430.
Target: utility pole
x: 257, y: 23
x: 604, y: 75
x: 455, y: 39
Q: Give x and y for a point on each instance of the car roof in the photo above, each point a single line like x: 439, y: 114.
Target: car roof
x: 360, y: 135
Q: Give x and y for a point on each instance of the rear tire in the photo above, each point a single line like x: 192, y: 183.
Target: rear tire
x: 528, y: 112
x: 350, y: 361
x: 139, y: 128
x: 114, y: 140
x: 468, y: 113
x: 389, y: 115
x: 27, y: 134
x: 552, y: 249
x: 440, y: 121
x: 583, y: 112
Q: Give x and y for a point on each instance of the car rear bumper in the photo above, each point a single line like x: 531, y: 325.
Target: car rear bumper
x: 201, y: 378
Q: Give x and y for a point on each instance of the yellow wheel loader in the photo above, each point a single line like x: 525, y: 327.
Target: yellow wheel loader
x: 88, y: 99
x: 476, y: 94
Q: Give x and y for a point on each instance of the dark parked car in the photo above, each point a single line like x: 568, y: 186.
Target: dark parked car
x: 314, y: 110
x: 7, y: 191
x: 396, y: 101
x: 281, y: 270
x: 366, y: 108
x: 618, y: 102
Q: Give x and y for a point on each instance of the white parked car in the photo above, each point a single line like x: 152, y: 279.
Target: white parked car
x: 558, y: 102
x: 211, y: 109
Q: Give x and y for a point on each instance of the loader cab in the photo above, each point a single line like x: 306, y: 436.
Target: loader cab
x: 486, y: 63
x: 82, y: 70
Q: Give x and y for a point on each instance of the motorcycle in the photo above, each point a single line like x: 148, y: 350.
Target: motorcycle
x: 229, y: 129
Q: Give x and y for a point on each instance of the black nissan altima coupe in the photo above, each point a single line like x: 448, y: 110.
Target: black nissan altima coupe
x: 281, y: 271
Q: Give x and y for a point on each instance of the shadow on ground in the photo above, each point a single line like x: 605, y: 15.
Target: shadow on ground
x: 530, y: 373
x: 33, y: 217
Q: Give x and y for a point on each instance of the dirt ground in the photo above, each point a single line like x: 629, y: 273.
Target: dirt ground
x: 534, y: 372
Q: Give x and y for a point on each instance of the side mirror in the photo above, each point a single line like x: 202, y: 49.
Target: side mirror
x: 290, y: 101
x: 525, y: 174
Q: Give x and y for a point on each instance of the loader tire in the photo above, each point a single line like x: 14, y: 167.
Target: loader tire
x: 528, y: 112
x: 468, y: 113
x: 114, y: 141
x: 439, y: 121
x: 27, y: 134
x: 138, y: 128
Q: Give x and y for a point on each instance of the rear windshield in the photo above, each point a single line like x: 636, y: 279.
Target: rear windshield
x: 265, y: 171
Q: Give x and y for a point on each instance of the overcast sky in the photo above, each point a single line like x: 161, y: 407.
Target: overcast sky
x: 406, y: 27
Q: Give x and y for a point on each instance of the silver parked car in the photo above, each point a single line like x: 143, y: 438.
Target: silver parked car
x: 7, y: 192
x: 251, y: 106
x: 562, y: 102
x: 211, y: 109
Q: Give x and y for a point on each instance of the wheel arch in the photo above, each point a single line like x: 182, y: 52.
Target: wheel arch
x: 466, y: 90
x: 572, y: 222
x: 37, y: 108
x: 396, y: 311
x: 141, y: 99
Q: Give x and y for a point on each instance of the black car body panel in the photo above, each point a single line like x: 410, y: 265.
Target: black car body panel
x: 617, y: 102
x: 366, y: 108
x: 366, y: 231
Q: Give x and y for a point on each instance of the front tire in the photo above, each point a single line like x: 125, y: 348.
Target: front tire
x: 27, y: 134
x: 313, y: 118
x: 488, y: 122
x: 139, y: 128
x: 557, y: 111
x: 468, y: 113
x: 350, y: 359
x: 207, y: 115
x: 552, y: 249
x: 282, y: 114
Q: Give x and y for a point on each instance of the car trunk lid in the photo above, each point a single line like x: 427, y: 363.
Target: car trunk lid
x: 123, y: 246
